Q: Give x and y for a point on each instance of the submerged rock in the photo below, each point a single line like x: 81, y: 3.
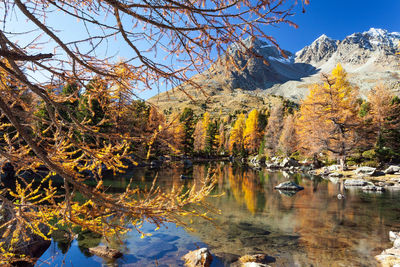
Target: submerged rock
x: 105, y: 252
x: 198, y: 258
x: 227, y: 258
x: 289, y: 185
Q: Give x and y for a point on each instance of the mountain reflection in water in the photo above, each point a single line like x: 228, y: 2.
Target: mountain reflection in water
x: 309, y: 228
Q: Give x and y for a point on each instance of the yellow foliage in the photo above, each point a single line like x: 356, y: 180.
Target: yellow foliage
x: 328, y: 117
x: 236, y: 135
x: 251, y: 134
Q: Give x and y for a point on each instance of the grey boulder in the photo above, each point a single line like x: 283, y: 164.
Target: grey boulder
x: 366, y: 171
x: 355, y: 182
x: 289, y: 185
x: 392, y: 169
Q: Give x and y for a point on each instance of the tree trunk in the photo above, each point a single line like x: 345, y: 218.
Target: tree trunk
x: 316, y: 162
x: 342, y: 163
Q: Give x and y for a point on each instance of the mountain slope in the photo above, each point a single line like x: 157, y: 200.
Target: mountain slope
x: 240, y: 81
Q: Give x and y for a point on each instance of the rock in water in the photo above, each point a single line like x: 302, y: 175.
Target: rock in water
x: 289, y: 185
x: 355, y: 182
x: 257, y: 260
x: 105, y: 252
x: 198, y: 258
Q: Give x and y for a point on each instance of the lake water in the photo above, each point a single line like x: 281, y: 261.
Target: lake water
x: 310, y: 228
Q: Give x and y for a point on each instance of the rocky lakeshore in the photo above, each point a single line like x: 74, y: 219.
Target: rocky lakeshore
x: 367, y: 178
x: 391, y: 257
x: 203, y: 258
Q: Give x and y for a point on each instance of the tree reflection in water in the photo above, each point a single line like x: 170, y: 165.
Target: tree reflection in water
x: 311, y: 227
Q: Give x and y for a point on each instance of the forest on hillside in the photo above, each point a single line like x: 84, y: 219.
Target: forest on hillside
x: 71, y: 75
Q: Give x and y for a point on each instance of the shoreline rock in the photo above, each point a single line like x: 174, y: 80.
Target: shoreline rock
x: 355, y: 182
x: 198, y: 258
x: 256, y: 260
x: 391, y: 256
x: 105, y: 252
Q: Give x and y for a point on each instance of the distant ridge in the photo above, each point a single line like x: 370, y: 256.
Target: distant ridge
x: 369, y: 57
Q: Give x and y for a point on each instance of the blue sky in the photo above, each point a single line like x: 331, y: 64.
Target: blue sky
x: 337, y: 19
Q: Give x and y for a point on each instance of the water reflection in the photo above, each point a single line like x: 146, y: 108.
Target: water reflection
x: 309, y: 228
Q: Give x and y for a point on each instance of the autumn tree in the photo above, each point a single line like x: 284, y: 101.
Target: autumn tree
x: 274, y: 128
x: 384, y: 111
x: 175, y: 138
x: 251, y: 133
x: 288, y: 140
x: 236, y: 140
x: 50, y: 54
x: 211, y: 139
x: 188, y: 120
x: 222, y: 140
x: 328, y: 119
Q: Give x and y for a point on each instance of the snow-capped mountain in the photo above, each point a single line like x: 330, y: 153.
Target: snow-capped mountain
x: 375, y: 47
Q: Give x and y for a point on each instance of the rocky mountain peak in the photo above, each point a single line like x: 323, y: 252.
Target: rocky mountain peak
x: 374, y: 39
x: 259, y: 47
x: 376, y: 32
x: 323, y: 38
x: 319, y: 50
x: 368, y: 57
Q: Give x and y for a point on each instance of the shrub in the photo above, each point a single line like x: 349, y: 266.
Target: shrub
x: 370, y: 163
x: 351, y: 163
x: 369, y: 154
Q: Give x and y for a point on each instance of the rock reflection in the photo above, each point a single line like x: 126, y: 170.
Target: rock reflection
x: 287, y: 193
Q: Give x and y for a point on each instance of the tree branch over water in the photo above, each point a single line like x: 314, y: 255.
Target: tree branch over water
x: 72, y: 103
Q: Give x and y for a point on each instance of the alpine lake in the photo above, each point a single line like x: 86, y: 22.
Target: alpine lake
x: 309, y: 228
